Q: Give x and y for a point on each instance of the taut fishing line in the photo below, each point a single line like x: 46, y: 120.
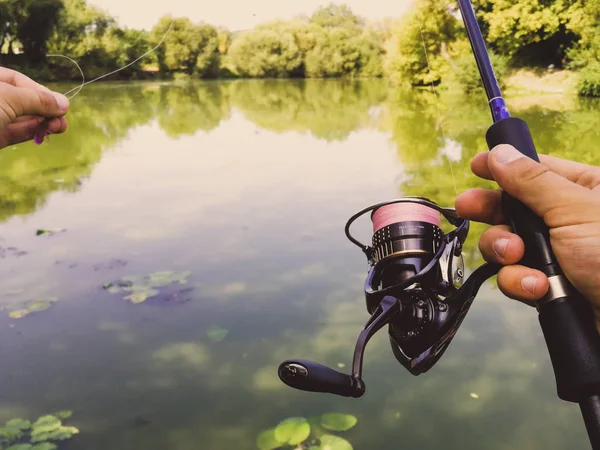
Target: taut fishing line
x: 440, y: 118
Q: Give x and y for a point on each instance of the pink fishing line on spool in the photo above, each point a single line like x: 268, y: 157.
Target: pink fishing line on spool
x: 404, y: 212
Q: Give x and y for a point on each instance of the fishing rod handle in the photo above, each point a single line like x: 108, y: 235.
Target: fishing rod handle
x: 566, y: 318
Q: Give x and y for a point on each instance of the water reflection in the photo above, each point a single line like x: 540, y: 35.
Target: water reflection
x: 248, y: 186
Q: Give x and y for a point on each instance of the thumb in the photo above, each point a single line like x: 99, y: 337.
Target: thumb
x: 556, y: 199
x: 16, y: 102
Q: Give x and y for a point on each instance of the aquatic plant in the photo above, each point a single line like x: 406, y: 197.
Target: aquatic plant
x: 216, y: 333
x: 22, y: 434
x: 19, y: 308
x: 140, y: 288
x: 299, y: 433
x: 51, y: 232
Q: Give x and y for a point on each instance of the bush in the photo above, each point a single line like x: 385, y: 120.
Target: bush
x: 589, y: 80
x: 462, y: 72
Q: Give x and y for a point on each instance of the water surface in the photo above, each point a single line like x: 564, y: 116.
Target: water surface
x: 248, y: 185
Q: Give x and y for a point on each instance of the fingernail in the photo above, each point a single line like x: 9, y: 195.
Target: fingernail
x: 528, y: 284
x: 62, y: 101
x: 500, y: 246
x: 504, y: 154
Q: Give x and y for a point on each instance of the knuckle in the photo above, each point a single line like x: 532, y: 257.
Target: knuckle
x: 589, y: 178
x: 533, y: 172
x: 46, y: 101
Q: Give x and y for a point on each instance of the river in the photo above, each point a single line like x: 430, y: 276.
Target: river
x: 242, y: 190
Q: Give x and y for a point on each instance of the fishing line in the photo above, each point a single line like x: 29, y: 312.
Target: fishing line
x: 440, y: 117
x: 84, y: 83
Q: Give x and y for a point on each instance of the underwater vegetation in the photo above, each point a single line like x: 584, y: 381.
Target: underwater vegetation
x: 140, y: 288
x: 22, y: 434
x: 315, y: 433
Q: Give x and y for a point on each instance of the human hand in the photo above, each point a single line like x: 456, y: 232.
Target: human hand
x: 28, y: 108
x: 565, y: 194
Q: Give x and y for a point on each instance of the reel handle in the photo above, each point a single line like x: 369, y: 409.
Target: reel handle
x: 567, y: 320
x: 311, y: 376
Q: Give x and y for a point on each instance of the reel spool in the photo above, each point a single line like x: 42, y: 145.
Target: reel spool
x: 415, y: 284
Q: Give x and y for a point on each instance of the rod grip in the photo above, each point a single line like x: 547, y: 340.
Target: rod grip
x: 567, y: 320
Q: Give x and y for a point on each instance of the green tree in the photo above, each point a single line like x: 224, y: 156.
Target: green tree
x: 269, y: 50
x: 529, y: 31
x: 415, y: 48
x: 187, y: 47
x: 336, y: 16
x: 31, y: 22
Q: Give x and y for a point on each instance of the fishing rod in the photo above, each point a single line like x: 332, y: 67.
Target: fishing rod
x: 566, y: 319
x: 416, y: 285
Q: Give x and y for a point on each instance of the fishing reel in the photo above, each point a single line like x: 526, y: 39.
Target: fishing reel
x: 415, y: 285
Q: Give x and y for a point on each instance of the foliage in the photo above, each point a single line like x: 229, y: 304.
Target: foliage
x: 589, y: 80
x: 530, y: 31
x: 187, y: 47
x: 22, y: 434
x: 415, y: 50
x: 313, y: 433
x: 462, y: 72
x: 267, y: 51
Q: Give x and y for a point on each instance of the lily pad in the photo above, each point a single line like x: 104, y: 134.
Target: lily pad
x: 292, y: 431
x: 64, y: 414
x: 19, y: 424
x: 51, y: 232
x: 331, y: 442
x: 19, y: 314
x: 338, y: 422
x: 20, y: 447
x: 44, y: 446
x: 267, y: 440
x: 18, y: 309
x: 142, y: 287
x: 9, y: 435
x: 216, y: 334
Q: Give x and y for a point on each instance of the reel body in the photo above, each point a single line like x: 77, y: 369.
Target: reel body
x: 415, y: 285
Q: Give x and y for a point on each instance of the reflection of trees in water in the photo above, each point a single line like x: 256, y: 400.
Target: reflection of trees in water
x: 29, y: 173
x: 192, y: 107
x: 328, y: 109
x: 418, y: 133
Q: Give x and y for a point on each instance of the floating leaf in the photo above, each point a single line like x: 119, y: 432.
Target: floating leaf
x: 19, y: 314
x: 50, y: 232
x: 46, y: 424
x: 19, y: 424
x: 44, y: 446
x: 139, y: 297
x: 216, y: 334
x: 61, y: 434
x: 19, y: 309
x: 38, y: 305
x: 64, y: 414
x: 20, y: 447
x: 10, y: 434
x: 338, y: 422
x: 331, y: 442
x: 267, y: 440
x: 292, y: 431
x: 141, y: 287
